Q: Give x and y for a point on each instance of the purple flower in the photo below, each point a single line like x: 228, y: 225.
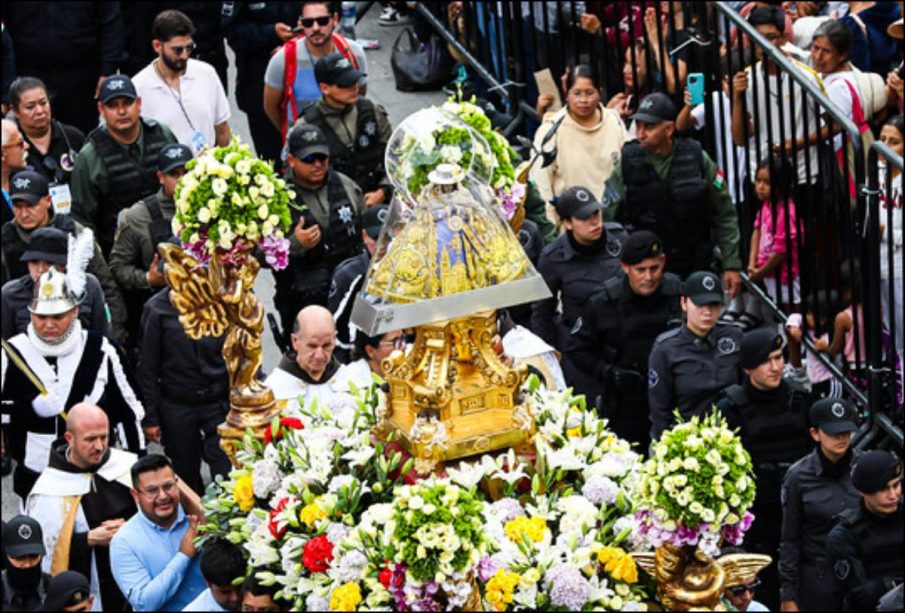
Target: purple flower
x: 599, y: 489
x: 735, y: 533
x: 276, y: 251
x: 567, y: 587
x: 486, y: 569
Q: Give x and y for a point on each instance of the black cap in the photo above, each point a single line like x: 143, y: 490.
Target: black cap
x: 655, y: 108
x: 374, y: 218
x: 577, y: 202
x: 641, y: 245
x: 117, y: 86
x: 29, y: 186
x: 67, y: 589
x: 47, y: 244
x: 757, y: 345
x: 336, y: 69
x: 23, y: 536
x: 703, y: 287
x: 172, y: 157
x: 305, y: 139
x: 874, y: 470
x: 834, y: 416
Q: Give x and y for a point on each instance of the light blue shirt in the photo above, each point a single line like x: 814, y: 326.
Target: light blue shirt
x: 149, y: 568
x: 204, y: 602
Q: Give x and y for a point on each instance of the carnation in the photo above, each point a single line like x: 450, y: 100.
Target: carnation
x: 600, y: 489
x: 567, y: 587
x: 266, y: 477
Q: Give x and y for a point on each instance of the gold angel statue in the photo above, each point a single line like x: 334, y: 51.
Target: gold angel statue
x: 690, y: 580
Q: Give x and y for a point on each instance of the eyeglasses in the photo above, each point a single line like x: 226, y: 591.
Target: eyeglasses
x: 307, y: 22
x: 153, y: 490
x: 312, y: 158
x: 396, y: 343
x: 739, y: 590
x: 180, y: 49
x: 19, y: 143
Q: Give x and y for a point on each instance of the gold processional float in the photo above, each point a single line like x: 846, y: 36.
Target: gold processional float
x: 445, y: 261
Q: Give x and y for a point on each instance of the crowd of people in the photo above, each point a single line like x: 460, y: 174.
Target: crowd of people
x: 632, y: 223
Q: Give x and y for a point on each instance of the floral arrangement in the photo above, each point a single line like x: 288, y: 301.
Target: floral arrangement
x: 229, y: 200
x: 336, y: 521
x: 697, y: 487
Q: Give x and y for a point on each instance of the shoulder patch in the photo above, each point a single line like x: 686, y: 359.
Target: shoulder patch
x: 726, y: 345
x: 653, y: 378
x: 841, y: 569
x: 577, y: 326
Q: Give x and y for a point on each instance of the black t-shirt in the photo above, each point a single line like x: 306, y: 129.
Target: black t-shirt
x: 57, y: 166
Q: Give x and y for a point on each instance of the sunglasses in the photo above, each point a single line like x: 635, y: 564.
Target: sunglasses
x: 739, y: 590
x: 313, y: 158
x: 396, y: 343
x: 180, y: 49
x: 308, y: 22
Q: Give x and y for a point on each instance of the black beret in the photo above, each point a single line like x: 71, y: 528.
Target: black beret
x: 757, y: 345
x: 640, y: 246
x: 874, y: 470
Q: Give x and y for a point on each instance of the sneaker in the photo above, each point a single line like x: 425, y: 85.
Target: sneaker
x: 392, y: 17
x: 369, y: 43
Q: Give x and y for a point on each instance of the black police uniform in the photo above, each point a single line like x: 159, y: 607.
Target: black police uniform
x: 186, y: 390
x: 866, y: 552
x: 813, y: 492
x: 348, y: 279
x: 249, y: 31
x: 17, y: 599
x: 531, y: 239
x: 58, y: 163
x: 688, y: 372
x: 612, y: 343
x: 773, y: 427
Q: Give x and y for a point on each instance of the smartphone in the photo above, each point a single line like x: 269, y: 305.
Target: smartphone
x: 695, y: 84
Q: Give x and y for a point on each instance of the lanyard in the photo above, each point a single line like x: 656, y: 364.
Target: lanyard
x: 178, y: 98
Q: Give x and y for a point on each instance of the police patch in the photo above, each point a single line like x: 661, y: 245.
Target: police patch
x: 25, y: 532
x: 841, y: 569
x: 22, y: 183
x: 382, y: 215
x: 364, y: 141
x: 370, y: 128
x: 332, y: 288
x: 577, y: 326
x: 653, y: 378
x: 582, y: 196
x: 726, y: 346
x: 838, y: 410
x: 345, y: 214
x: 709, y: 283
x: 116, y: 84
x: 613, y: 248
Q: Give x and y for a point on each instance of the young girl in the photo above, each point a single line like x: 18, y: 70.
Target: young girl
x: 823, y: 383
x: 844, y: 333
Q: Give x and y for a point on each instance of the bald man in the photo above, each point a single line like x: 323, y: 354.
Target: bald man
x: 15, y: 149
x: 312, y: 372
x: 81, y: 499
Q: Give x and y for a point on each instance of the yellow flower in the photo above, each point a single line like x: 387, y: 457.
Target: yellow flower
x: 522, y: 526
x: 618, y: 563
x: 574, y: 432
x: 346, y: 597
x: 312, y: 513
x: 500, y: 587
x: 244, y: 493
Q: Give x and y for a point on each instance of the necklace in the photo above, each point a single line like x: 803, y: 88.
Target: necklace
x: 178, y: 98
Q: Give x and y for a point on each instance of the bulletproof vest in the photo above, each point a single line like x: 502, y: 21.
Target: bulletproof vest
x: 880, y: 544
x: 363, y: 163
x: 675, y: 208
x: 160, y: 230
x: 128, y: 181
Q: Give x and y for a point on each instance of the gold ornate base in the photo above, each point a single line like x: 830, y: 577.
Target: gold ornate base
x: 232, y: 431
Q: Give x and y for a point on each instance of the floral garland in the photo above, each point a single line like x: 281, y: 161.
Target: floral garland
x: 697, y: 487
x: 228, y: 200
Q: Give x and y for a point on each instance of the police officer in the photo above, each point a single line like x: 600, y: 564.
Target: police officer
x: 185, y: 389
x: 357, y: 129
x: 254, y: 30
x: 575, y: 265
x: 118, y: 165
x: 814, y: 491
x: 691, y: 365
x: 326, y: 223
x: 672, y: 187
x: 348, y: 279
x: 865, y: 547
x: 142, y: 228
x: 24, y: 584
x: 772, y: 417
x: 612, y: 340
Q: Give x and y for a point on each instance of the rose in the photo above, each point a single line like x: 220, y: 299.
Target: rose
x: 292, y: 423
x: 275, y: 530
x: 317, y: 554
x: 244, y: 493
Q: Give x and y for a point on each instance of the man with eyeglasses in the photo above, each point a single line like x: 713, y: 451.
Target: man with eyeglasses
x: 326, y: 224
x: 153, y: 554
x: 290, y: 83
x: 15, y: 152
x: 180, y: 92
x: 82, y: 499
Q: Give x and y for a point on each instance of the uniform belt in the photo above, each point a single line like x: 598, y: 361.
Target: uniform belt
x: 204, y: 394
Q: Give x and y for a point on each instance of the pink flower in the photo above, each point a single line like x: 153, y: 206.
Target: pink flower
x: 276, y: 251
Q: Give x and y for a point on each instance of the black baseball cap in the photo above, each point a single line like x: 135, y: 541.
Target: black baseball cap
x: 47, y: 244
x: 23, y: 536
x: 336, y: 69
x: 117, y: 86
x: 641, y: 245
x: 757, y: 346
x: 29, y: 186
x: 655, y: 108
x: 66, y: 589
x: 874, y: 470
x: 374, y: 218
x: 703, y: 287
x: 305, y: 139
x: 834, y: 416
x: 577, y: 202
x: 172, y: 157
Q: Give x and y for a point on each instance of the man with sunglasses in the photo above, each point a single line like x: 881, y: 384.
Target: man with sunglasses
x: 290, y: 83
x: 183, y: 93
x: 741, y: 595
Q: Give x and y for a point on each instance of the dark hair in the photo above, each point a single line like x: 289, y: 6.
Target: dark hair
x: 580, y: 71
x: 768, y: 16
x: 221, y: 562
x: 837, y: 33
x: 22, y: 85
x: 897, y: 122
x: 254, y: 586
x: 362, y: 341
x: 332, y: 7
x: 781, y: 176
x: 147, y: 464
x: 171, y: 23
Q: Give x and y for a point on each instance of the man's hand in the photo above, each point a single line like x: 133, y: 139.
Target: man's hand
x: 788, y: 605
x: 375, y: 197
x: 590, y: 23
x: 156, y: 278
x: 732, y: 282
x: 740, y: 83
x: 283, y: 31
x: 103, y: 534
x: 152, y: 433
x: 187, y: 546
x: 308, y: 237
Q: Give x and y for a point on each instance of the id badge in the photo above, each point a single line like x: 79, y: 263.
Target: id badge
x: 198, y: 143
x: 61, y: 198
